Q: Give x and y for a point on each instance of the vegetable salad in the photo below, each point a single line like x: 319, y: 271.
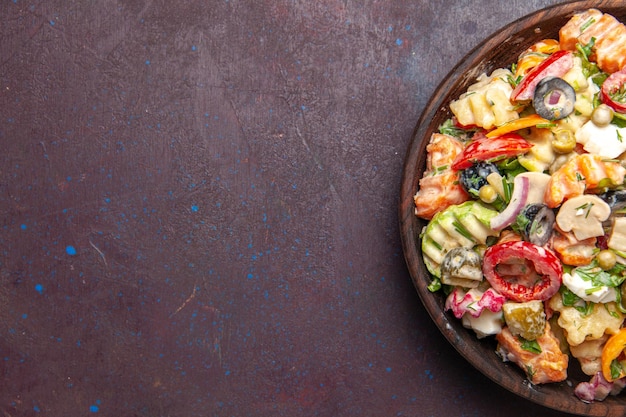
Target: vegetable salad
x: 525, y: 197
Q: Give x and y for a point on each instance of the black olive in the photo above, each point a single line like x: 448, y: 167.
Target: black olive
x: 616, y: 199
x: 474, y: 177
x: 554, y: 98
x: 539, y: 223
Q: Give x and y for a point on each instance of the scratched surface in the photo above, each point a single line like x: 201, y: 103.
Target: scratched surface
x: 198, y: 208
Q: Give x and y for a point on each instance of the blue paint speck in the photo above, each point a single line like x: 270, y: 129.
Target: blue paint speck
x: 36, y: 409
x: 52, y: 23
x: 23, y: 227
x: 398, y: 41
x: 70, y: 250
x: 194, y: 48
x: 388, y: 369
x: 94, y: 408
x: 194, y: 208
x: 147, y: 62
x: 39, y: 288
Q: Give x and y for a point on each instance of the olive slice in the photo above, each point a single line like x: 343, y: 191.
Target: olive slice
x: 540, y: 223
x: 554, y: 98
x: 616, y: 199
x: 472, y: 179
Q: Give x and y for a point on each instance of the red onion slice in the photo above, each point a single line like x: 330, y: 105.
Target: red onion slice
x: 521, y: 186
x: 474, y: 301
x: 555, y: 96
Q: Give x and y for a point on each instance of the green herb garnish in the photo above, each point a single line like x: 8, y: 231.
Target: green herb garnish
x: 529, y: 345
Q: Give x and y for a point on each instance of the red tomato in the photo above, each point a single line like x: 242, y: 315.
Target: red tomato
x: 556, y: 65
x: 613, y: 91
x: 484, y: 149
x: 522, y: 271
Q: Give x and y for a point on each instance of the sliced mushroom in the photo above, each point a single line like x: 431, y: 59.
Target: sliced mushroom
x: 583, y: 215
x: 617, y: 240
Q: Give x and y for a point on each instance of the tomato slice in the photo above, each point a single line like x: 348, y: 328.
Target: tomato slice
x: 483, y: 149
x: 556, y: 65
x: 613, y: 92
x: 522, y: 271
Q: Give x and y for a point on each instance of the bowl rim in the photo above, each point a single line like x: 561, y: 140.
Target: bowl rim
x: 462, y: 74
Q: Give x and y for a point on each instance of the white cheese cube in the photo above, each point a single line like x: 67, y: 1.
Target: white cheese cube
x: 607, y: 141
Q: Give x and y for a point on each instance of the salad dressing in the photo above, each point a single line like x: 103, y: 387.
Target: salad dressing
x: 520, y: 191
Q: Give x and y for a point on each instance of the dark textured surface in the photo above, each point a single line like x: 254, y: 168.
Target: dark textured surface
x: 198, y: 208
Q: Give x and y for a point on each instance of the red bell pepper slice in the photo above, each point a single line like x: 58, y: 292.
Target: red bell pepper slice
x: 613, y: 92
x: 522, y: 271
x: 556, y: 65
x: 484, y: 149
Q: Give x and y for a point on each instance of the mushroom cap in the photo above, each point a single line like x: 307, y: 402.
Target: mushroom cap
x: 583, y: 215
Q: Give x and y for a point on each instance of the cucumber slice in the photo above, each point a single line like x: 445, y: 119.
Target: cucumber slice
x: 449, y: 222
x: 465, y: 225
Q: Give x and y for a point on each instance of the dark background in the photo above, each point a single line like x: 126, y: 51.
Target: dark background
x: 198, y: 208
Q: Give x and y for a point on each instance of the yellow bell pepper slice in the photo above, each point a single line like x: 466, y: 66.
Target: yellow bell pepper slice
x: 546, y: 46
x: 613, y: 348
x: 535, y: 54
x: 527, y: 63
x: 517, y: 124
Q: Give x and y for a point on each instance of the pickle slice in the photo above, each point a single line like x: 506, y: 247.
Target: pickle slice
x: 527, y: 320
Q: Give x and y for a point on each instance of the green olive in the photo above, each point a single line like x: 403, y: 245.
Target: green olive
x: 602, y: 115
x: 488, y: 193
x: 606, y: 259
x: 564, y: 141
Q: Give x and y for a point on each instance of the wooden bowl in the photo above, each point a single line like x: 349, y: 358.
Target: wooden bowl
x: 499, y: 50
